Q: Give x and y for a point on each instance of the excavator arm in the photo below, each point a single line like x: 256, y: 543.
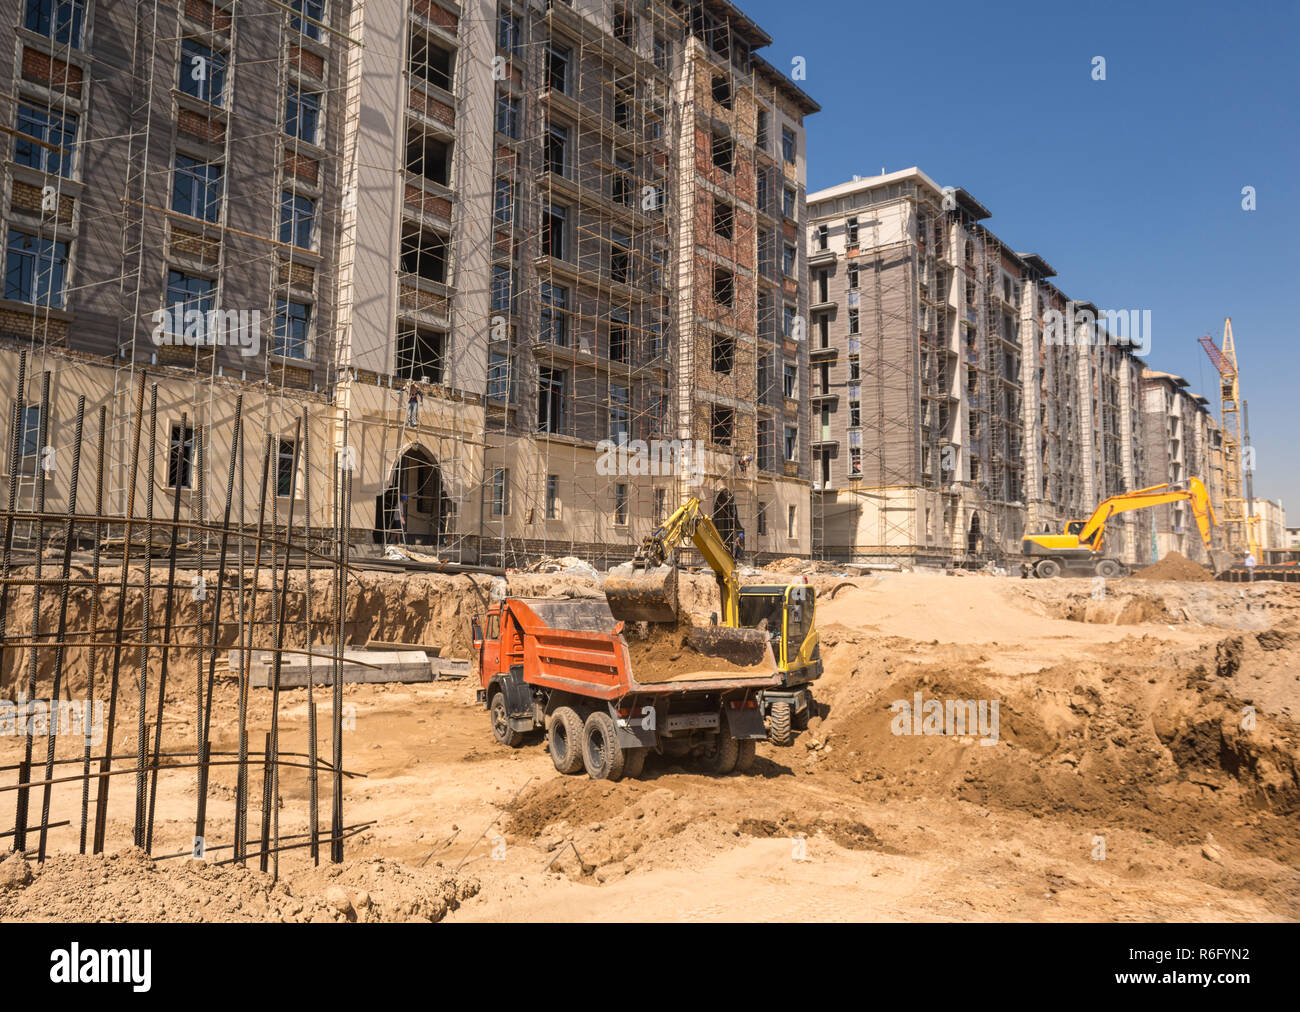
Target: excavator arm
x: 1094, y: 530
x: 690, y: 522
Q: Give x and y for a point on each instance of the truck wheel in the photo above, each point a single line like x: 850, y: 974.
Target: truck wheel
x: 720, y: 755
x: 564, y: 739
x: 745, y: 754
x: 1048, y: 569
x: 779, y: 730
x: 634, y: 762
x: 501, y: 729
x: 601, y: 753
x: 1108, y: 569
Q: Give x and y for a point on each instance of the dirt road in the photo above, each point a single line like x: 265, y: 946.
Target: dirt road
x: 1143, y: 766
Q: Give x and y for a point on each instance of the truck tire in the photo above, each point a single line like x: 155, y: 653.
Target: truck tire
x: 564, y: 739
x: 1047, y: 569
x: 780, y: 731
x: 719, y: 757
x: 634, y: 763
x: 1108, y: 569
x: 601, y: 753
x: 501, y: 729
x: 746, y: 753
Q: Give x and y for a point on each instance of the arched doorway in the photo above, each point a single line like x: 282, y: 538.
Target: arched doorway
x: 418, y: 476
x: 726, y: 518
x: 974, y: 538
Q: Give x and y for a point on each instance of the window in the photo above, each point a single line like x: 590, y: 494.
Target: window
x: 284, y: 484
x: 196, y: 188
x: 424, y: 254
x: 421, y: 353
x: 791, y: 528
x: 57, y: 130
x: 202, y: 72
x: 30, y: 434
x: 662, y: 54
x: 431, y: 62
x: 297, y: 219
x: 555, y: 315
x: 724, y: 286
x: 855, y: 326
x: 661, y: 504
x: 302, y: 114
x: 762, y: 189
x: 722, y: 423
x: 724, y: 353
x: 789, y: 259
x: 766, y: 246
x: 557, y: 68
x: 788, y: 320
x: 789, y: 145
x: 622, y: 109
x: 36, y: 269
x: 620, y: 402
x: 504, y: 204
x: 854, y: 277
x: 789, y: 201
x: 313, y: 9
x: 790, y: 381
x: 500, y: 491
x: 509, y: 34
x: 180, y: 457
x: 186, y: 295
x: 555, y: 230
x: 762, y: 519
x: 764, y: 376
x: 722, y: 91
x: 621, y: 189
x: 624, y: 24
x: 557, y: 149
x: 503, y: 282
x: 620, y: 505
x: 61, y: 21
x: 823, y: 236
x: 761, y: 128
x: 855, y: 461
x: 550, y: 400
x: 620, y: 257
x: 723, y: 218
x: 498, y: 376
x: 292, y: 322
x: 429, y: 157
x: 507, y: 115
x: 855, y: 414
x: 620, y: 347
x: 766, y: 445
x: 552, y: 497
x: 851, y: 232
x: 722, y: 150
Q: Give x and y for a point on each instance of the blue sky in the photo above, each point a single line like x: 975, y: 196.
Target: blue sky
x: 1130, y: 187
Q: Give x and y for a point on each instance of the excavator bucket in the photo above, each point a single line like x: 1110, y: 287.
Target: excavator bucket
x: 642, y: 595
x: 739, y: 646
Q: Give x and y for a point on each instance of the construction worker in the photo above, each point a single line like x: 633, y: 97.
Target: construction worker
x: 414, y: 397
x: 739, y: 544
x: 1250, y: 567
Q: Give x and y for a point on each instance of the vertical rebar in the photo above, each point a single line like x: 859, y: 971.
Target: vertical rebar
x: 62, y: 629
x: 344, y: 528
x: 267, y: 796
x: 15, y: 455
x: 94, y: 626
x: 146, y: 607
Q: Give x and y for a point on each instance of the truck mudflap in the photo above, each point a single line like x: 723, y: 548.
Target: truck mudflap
x: 636, y: 726
x: 745, y: 719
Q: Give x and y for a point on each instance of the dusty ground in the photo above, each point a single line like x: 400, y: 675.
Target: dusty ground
x: 1145, y: 769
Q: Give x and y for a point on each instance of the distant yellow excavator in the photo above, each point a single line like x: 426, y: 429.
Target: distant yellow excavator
x: 1081, y: 548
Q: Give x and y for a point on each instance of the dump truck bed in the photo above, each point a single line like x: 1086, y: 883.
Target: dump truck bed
x: 577, y: 646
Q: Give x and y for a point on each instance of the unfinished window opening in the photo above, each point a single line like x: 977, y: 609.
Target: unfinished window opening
x: 620, y: 505
x: 722, y: 91
x: 823, y: 237
x: 180, y: 457
x: 429, y: 157
x: 855, y: 322
x: 790, y: 381
x: 555, y: 224
x: 722, y: 424
x: 723, y: 219
x: 555, y: 315
x: 724, y: 287
x: 622, y: 190
x: 557, y: 149
x: 722, y: 152
x: 762, y: 120
x: 762, y: 519
x: 620, y: 257
x: 624, y: 23
x: 421, y: 353
x: 284, y: 483
x: 424, y: 254
x: 724, y: 353
x: 552, y: 497
x: 558, y: 59
x: 432, y: 61
x: 622, y: 109
x: 766, y: 446
x: 500, y: 491
x: 851, y: 232
x: 550, y: 401
x: 620, y: 413
x: 620, y: 344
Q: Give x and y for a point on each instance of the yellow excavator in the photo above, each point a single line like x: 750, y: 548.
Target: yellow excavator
x: 1080, y: 549
x: 754, y: 623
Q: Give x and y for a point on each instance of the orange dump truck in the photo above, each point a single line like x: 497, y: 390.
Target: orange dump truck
x: 563, y: 667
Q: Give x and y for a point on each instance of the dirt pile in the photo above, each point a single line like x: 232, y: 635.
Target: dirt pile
x: 131, y: 887
x: 1176, y: 567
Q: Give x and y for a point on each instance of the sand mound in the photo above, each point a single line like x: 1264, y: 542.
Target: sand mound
x: 1175, y: 566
